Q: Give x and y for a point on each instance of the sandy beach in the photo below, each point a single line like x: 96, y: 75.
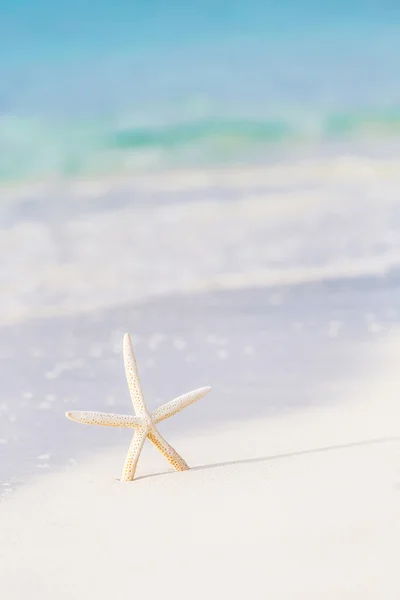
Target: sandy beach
x: 292, y: 317
x: 303, y: 502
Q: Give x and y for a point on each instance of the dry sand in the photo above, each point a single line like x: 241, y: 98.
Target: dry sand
x: 302, y: 505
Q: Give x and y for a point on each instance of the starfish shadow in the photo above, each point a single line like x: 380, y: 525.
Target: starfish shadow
x: 369, y: 442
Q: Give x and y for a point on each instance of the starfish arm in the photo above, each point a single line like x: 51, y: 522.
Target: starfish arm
x: 132, y: 377
x: 134, y: 451
x: 101, y: 418
x: 174, y: 406
x: 168, y: 451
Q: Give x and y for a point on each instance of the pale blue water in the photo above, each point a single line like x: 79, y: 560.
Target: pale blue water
x: 88, y: 88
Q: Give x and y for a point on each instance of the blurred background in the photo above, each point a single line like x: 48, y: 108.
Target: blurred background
x: 94, y: 90
x: 219, y: 178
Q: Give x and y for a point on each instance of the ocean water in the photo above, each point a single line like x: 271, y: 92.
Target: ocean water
x: 124, y: 86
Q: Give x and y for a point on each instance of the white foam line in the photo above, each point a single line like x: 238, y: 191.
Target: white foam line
x: 348, y: 269
x: 335, y: 169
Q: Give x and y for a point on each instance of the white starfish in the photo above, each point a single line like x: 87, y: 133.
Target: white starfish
x: 143, y: 422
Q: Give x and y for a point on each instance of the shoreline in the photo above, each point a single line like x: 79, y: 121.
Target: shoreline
x: 273, y: 340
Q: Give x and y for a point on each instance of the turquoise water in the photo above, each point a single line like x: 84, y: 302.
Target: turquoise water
x: 118, y: 86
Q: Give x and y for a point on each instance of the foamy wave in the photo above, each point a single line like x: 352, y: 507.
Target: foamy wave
x: 131, y: 240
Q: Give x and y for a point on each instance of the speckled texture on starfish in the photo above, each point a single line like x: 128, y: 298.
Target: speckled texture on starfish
x: 143, y: 422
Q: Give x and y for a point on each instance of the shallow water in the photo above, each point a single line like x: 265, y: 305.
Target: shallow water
x: 132, y: 86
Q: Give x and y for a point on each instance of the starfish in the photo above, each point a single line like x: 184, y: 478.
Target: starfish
x: 143, y: 422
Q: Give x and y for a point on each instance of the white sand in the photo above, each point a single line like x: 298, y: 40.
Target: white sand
x: 287, y: 517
